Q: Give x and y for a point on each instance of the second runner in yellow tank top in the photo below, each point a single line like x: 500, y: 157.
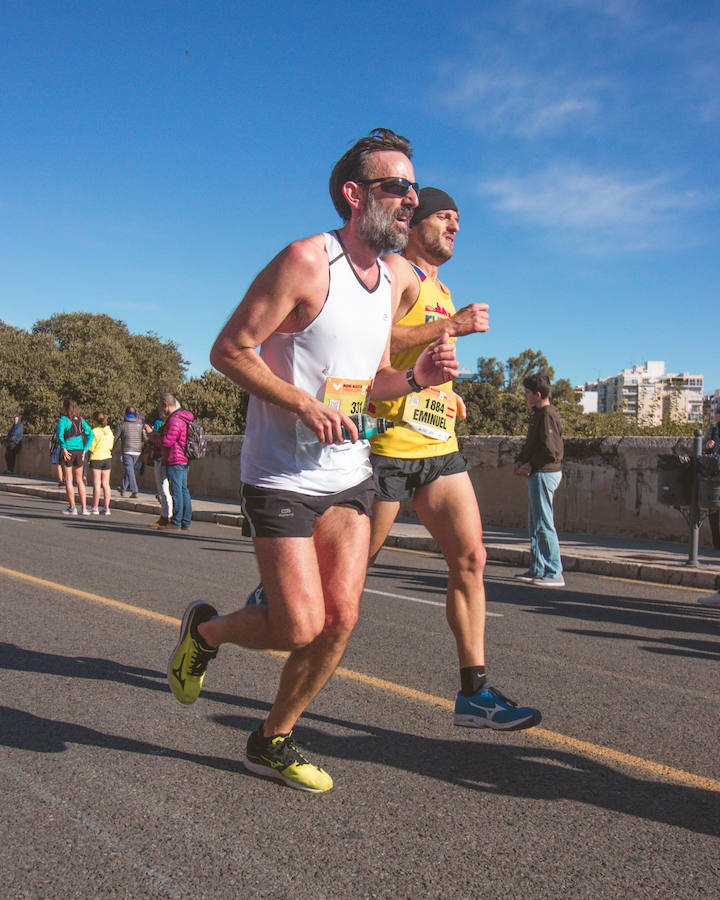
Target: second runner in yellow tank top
x: 432, y: 411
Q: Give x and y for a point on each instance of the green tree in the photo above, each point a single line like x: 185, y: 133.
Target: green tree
x: 28, y: 377
x: 102, y: 365
x: 490, y: 371
x: 483, y: 403
x: 218, y: 402
x: 519, y: 367
x: 563, y: 392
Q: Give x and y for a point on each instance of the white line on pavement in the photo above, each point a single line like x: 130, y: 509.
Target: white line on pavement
x: 419, y: 600
x: 13, y: 518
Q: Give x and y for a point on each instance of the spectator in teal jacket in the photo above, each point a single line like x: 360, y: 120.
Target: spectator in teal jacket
x: 74, y: 436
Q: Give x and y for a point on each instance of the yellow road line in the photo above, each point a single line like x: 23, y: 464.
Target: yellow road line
x: 585, y: 748
x: 87, y: 595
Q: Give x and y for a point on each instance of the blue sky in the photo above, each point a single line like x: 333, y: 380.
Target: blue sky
x: 155, y: 155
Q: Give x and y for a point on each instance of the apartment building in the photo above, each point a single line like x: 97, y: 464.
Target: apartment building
x: 647, y: 394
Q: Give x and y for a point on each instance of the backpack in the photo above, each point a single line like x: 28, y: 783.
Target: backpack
x: 195, y: 440
x: 75, y: 429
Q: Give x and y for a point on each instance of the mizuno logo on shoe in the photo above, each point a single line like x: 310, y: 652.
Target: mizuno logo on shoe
x: 177, y: 673
x: 488, y: 712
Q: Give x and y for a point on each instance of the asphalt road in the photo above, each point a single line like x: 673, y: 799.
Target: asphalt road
x: 112, y: 789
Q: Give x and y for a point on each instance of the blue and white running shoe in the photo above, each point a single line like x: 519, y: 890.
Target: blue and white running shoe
x: 257, y: 597
x: 490, y: 709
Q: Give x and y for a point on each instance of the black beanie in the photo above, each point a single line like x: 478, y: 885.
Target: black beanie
x: 432, y: 200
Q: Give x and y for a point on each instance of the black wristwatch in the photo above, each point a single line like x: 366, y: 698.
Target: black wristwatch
x: 410, y: 375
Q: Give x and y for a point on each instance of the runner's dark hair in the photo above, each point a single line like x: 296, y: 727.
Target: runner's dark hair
x: 70, y: 407
x: 354, y: 163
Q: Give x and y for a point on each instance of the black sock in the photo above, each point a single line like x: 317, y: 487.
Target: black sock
x: 472, y: 678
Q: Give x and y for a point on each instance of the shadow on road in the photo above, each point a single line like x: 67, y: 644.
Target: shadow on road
x: 22, y: 660
x: 26, y: 731
x: 487, y: 766
x: 683, y: 619
x: 484, y: 763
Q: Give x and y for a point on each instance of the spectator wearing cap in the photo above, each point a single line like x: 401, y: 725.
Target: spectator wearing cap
x: 129, y: 435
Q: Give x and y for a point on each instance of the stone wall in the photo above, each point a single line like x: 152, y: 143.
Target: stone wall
x: 609, y: 485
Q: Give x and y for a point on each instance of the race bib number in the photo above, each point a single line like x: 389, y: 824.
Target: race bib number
x: 347, y: 395
x: 431, y: 412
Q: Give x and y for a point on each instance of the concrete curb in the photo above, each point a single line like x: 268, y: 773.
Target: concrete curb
x: 657, y: 573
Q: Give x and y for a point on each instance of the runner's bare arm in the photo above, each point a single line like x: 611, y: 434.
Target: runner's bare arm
x: 286, y: 296
x: 437, y: 364
x: 471, y: 319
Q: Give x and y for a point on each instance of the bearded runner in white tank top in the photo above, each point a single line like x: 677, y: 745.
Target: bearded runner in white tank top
x: 341, y: 347
x: 317, y: 311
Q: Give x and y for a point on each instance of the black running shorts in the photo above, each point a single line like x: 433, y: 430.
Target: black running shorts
x: 276, y: 513
x: 75, y: 461
x: 397, y: 479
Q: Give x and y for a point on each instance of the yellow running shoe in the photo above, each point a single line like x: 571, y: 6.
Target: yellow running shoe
x: 190, y: 658
x: 279, y: 757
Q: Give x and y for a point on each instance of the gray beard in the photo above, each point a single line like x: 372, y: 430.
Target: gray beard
x: 375, y: 227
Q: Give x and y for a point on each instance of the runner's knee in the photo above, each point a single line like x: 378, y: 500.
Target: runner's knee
x: 471, y: 561
x: 340, y: 621
x: 295, y: 635
x: 294, y: 632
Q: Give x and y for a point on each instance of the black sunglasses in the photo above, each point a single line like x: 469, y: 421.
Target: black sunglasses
x: 398, y: 187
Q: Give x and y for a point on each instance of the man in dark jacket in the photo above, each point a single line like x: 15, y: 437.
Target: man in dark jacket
x: 540, y: 461
x: 129, y: 434
x: 13, y: 441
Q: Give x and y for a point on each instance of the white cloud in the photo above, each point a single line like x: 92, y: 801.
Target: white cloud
x: 505, y: 98
x: 626, y: 11
x: 601, y: 211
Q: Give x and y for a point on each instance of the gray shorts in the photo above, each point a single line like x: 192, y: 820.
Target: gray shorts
x: 397, y: 479
x: 274, y: 513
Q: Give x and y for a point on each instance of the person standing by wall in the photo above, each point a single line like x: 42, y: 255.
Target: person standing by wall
x: 540, y: 461
x: 172, y: 437
x: 162, y: 483
x: 711, y: 446
x: 74, y: 436
x: 101, y: 463
x: 13, y: 442
x: 130, y: 435
x: 55, y: 459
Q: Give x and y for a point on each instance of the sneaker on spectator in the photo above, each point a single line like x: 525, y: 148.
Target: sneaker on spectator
x: 549, y: 581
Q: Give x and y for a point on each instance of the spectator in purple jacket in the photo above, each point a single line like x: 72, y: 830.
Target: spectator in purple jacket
x: 172, y: 438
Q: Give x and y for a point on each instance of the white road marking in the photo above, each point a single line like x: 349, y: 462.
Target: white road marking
x: 419, y: 600
x: 13, y: 518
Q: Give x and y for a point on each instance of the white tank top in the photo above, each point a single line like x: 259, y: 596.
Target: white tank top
x: 345, y: 341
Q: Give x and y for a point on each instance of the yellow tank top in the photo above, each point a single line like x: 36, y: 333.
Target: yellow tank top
x: 434, y: 408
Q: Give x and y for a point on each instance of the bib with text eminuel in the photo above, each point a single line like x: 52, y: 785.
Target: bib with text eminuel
x: 431, y: 412
x: 346, y: 394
